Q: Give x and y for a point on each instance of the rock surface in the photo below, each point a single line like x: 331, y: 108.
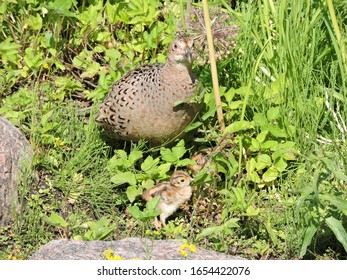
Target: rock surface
x: 15, y: 153
x: 127, y: 248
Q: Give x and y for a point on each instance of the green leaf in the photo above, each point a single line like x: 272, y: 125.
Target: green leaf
x: 309, y: 233
x: 149, y: 163
x: 270, y: 144
x: 56, y: 220
x: 124, y: 177
x: 270, y: 175
x: 251, y: 212
x: 134, y: 156
x: 99, y: 230
x: 9, y: 51
x: 250, y: 165
x: 280, y: 164
x: 339, y: 231
x: 35, y: 22
x: 132, y: 192
x: 185, y: 162
x: 238, y: 126
x: 232, y: 223
x: 153, y: 203
x: 174, y: 154
x: 263, y: 161
x: 338, y: 173
x: 339, y: 203
x: 260, y: 119
x: 254, y: 177
x: 135, y: 212
x: 255, y: 145
x: 273, y: 113
x: 262, y: 136
x: 276, y: 130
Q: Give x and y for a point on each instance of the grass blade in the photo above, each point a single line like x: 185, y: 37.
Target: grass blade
x: 338, y: 229
x: 309, y: 233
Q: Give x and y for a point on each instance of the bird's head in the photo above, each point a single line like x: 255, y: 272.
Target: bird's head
x: 180, y: 179
x: 180, y: 51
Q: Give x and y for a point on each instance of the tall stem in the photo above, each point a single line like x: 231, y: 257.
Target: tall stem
x: 337, y: 33
x: 213, y: 66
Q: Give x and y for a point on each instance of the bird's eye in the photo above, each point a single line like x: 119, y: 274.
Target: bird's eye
x: 182, y: 180
x: 175, y: 46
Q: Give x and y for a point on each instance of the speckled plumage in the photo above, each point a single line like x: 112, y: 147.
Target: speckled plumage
x: 142, y: 104
x: 172, y: 194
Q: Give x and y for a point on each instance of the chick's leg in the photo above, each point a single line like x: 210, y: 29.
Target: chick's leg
x: 163, y: 217
x: 157, y: 223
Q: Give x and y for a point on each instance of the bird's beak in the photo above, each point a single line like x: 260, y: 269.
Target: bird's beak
x: 189, y: 55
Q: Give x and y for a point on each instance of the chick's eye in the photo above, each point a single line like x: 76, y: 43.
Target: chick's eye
x: 175, y: 46
x: 182, y: 180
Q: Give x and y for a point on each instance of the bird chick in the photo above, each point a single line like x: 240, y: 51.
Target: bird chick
x: 202, y: 159
x: 172, y: 194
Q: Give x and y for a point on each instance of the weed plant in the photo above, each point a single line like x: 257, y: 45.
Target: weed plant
x: 276, y: 185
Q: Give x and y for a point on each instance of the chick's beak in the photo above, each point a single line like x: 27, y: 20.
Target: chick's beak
x: 188, y: 55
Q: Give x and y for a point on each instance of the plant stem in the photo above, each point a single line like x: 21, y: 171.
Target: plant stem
x: 213, y: 66
x: 337, y: 33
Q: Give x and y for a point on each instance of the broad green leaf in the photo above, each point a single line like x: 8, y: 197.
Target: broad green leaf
x: 250, y: 165
x: 339, y: 203
x: 149, y: 163
x: 235, y: 105
x: 174, y: 154
x: 262, y: 136
x: 254, y: 177
x: 276, y: 130
x: 56, y: 220
x: 135, y: 212
x: 338, y: 229
x: 280, y: 164
x: 273, y: 113
x: 132, y: 192
x: 338, y: 173
x: 271, y: 231
x: 251, y: 212
x: 270, y: 144
x: 99, y: 229
x: 309, y: 233
x: 263, y: 161
x: 35, y: 22
x: 185, y: 162
x: 153, y: 203
x: 124, y: 177
x: 238, y: 126
x: 9, y: 51
x: 270, y: 175
x: 134, y: 156
x: 232, y: 223
x: 255, y: 145
x: 260, y: 119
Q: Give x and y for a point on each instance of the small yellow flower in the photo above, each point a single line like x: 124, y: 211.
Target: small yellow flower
x: 109, y: 255
x: 183, y: 253
x: 156, y: 232
x: 58, y: 142
x: 148, y: 232
x: 184, y: 247
x: 192, y: 248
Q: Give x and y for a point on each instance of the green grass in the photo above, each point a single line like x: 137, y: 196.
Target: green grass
x: 277, y: 183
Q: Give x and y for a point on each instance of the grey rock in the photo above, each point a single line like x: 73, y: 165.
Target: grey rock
x: 127, y: 248
x: 15, y: 154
